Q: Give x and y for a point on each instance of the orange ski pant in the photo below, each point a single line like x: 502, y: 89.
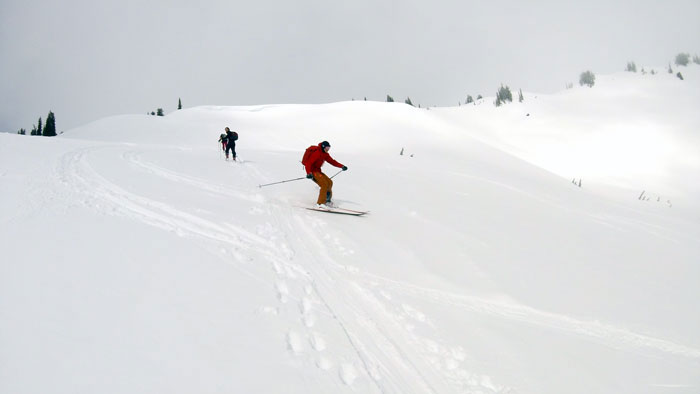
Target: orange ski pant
x: 326, y: 187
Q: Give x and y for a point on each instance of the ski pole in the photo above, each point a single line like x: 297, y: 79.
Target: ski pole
x: 288, y: 180
x: 336, y: 174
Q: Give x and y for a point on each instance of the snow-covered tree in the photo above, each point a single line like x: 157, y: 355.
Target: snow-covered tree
x: 587, y: 78
x: 682, y: 59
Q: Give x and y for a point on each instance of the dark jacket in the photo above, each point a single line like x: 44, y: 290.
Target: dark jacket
x: 231, y: 136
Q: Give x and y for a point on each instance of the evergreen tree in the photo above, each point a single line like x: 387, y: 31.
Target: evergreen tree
x: 670, y: 70
x: 50, y: 129
x: 159, y: 112
x: 179, y: 104
x: 22, y: 132
x: 696, y: 59
x: 680, y: 76
x: 479, y: 97
x: 682, y: 59
x: 631, y: 67
x: 33, y: 132
x: 408, y: 101
x: 520, y: 96
x: 389, y: 99
x: 469, y: 99
x: 39, y: 129
x: 503, y: 94
x: 587, y: 78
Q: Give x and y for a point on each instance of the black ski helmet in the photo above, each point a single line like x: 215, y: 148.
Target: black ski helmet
x: 325, y: 144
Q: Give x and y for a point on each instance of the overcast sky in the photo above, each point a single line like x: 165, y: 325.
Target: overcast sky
x: 87, y: 59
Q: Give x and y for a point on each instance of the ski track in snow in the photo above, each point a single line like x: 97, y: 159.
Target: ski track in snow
x: 310, y: 285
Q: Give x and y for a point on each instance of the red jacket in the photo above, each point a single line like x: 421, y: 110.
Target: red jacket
x: 316, y: 160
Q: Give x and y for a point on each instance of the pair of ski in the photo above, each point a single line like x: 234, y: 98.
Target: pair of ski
x: 339, y: 211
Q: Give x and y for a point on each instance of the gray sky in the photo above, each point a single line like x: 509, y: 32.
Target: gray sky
x: 87, y: 59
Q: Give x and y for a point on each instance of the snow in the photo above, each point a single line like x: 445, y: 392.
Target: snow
x: 136, y: 259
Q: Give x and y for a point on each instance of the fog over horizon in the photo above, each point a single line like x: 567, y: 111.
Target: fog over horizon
x: 85, y: 60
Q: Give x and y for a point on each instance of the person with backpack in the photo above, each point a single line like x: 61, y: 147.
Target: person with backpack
x: 223, y: 138
x: 313, y: 159
x: 231, y: 137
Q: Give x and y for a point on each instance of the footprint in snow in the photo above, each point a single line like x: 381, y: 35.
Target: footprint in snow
x: 294, y: 342
x: 317, y: 342
x: 309, y: 320
x: 282, y: 291
x: 414, y: 313
x: 278, y: 268
x: 324, y: 363
x: 347, y: 373
x: 306, y: 307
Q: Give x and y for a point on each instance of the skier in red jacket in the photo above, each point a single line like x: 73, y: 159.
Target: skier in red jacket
x: 313, y: 159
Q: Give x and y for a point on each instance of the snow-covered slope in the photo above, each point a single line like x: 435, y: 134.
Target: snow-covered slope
x: 136, y: 259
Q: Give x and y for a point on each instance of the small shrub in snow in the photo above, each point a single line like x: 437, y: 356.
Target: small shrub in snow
x: 469, y: 100
x: 682, y: 59
x: 520, y: 96
x: 389, y: 99
x: 631, y: 67
x: 587, y: 78
x: 680, y: 76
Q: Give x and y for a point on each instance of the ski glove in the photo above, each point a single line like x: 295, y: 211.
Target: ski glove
x: 309, y: 176
x: 345, y: 168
